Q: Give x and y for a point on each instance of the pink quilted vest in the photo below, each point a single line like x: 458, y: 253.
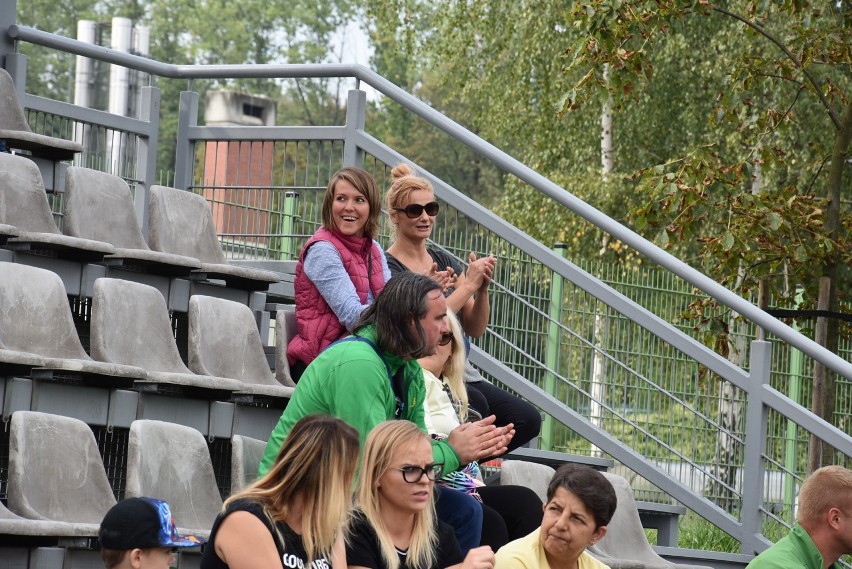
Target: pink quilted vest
x: 317, y: 324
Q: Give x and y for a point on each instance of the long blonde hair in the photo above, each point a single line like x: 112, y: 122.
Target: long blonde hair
x: 453, y: 372
x: 378, y: 453
x: 316, y: 469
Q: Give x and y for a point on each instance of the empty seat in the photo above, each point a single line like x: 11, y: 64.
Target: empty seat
x: 23, y: 204
x: 56, y: 472
x: 13, y: 524
x: 99, y: 206
x: 625, y: 545
x: 246, y: 453
x: 181, y: 223
x: 7, y: 231
x: 131, y: 326
x: 37, y: 329
x: 224, y: 341
x: 534, y: 476
x: 172, y: 462
x: 285, y: 330
x: 16, y: 131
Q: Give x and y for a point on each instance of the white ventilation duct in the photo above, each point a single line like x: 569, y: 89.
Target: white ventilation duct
x: 86, y: 31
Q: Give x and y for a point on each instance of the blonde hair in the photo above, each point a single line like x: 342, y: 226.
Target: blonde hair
x: 364, y: 183
x: 316, y: 469
x: 453, y: 372
x: 404, y: 181
x: 378, y: 453
x: 827, y: 487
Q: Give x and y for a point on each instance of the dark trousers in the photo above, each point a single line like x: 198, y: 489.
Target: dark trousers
x: 491, y: 400
x: 509, y: 513
x: 463, y: 513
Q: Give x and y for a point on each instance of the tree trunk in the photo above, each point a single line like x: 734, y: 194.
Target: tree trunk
x: 826, y: 334
x: 598, y: 380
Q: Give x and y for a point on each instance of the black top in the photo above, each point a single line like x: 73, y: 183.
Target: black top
x: 363, y: 548
x: 290, y: 546
x: 443, y: 259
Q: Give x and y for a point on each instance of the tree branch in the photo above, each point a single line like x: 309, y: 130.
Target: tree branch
x: 304, y: 103
x: 811, y: 79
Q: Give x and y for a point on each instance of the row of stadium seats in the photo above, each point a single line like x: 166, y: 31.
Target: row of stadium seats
x: 58, y: 486
x: 215, y: 378
x: 100, y: 225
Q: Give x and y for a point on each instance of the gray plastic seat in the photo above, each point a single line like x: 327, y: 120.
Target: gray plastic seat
x: 37, y: 330
x: 285, y: 330
x: 131, y: 326
x: 224, y: 341
x: 7, y: 231
x: 534, y: 476
x: 16, y: 131
x: 625, y: 546
x: 181, y: 223
x: 99, y: 206
x: 56, y: 472
x: 171, y: 462
x: 246, y: 453
x: 13, y: 524
x: 23, y: 204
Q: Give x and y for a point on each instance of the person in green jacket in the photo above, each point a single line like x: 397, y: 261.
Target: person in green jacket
x: 823, y: 532
x: 373, y: 376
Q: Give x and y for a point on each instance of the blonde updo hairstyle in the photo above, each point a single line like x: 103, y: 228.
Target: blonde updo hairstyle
x: 403, y: 182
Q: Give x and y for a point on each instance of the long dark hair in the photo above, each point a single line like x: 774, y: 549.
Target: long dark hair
x: 402, y: 300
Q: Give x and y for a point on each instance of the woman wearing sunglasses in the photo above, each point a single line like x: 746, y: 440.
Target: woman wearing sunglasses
x: 395, y: 526
x: 509, y: 512
x: 413, y: 210
x: 341, y: 269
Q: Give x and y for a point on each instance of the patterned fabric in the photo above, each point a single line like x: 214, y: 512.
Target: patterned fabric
x: 318, y: 325
x: 167, y: 532
x: 463, y: 480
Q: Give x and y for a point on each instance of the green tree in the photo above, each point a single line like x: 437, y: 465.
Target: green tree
x: 782, y: 117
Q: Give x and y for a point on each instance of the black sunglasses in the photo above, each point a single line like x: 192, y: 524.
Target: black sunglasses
x: 445, y: 339
x: 415, y: 210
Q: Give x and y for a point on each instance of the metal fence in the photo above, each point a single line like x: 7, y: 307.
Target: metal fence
x: 601, y: 352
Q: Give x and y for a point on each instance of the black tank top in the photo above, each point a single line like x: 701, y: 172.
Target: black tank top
x: 291, y: 550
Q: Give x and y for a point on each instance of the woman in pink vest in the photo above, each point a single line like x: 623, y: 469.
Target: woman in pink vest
x: 341, y: 269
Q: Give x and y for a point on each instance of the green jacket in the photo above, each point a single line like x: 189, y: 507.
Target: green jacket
x: 795, y: 551
x: 350, y: 381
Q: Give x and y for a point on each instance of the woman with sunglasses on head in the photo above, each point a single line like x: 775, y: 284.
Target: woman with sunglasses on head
x: 341, y: 269
x: 509, y: 512
x: 295, y: 515
x: 394, y: 525
x: 411, y: 204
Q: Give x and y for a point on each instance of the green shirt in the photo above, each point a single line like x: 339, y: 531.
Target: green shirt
x: 349, y: 380
x: 795, y: 551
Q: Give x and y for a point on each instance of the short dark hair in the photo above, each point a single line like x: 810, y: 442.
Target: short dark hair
x: 404, y: 297
x: 112, y: 557
x: 590, y: 486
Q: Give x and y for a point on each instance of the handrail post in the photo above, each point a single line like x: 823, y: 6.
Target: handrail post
x: 16, y: 65
x: 754, y: 467
x: 146, y: 154
x: 184, y: 154
x: 356, y: 119
x: 551, y: 358
x: 8, y: 15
